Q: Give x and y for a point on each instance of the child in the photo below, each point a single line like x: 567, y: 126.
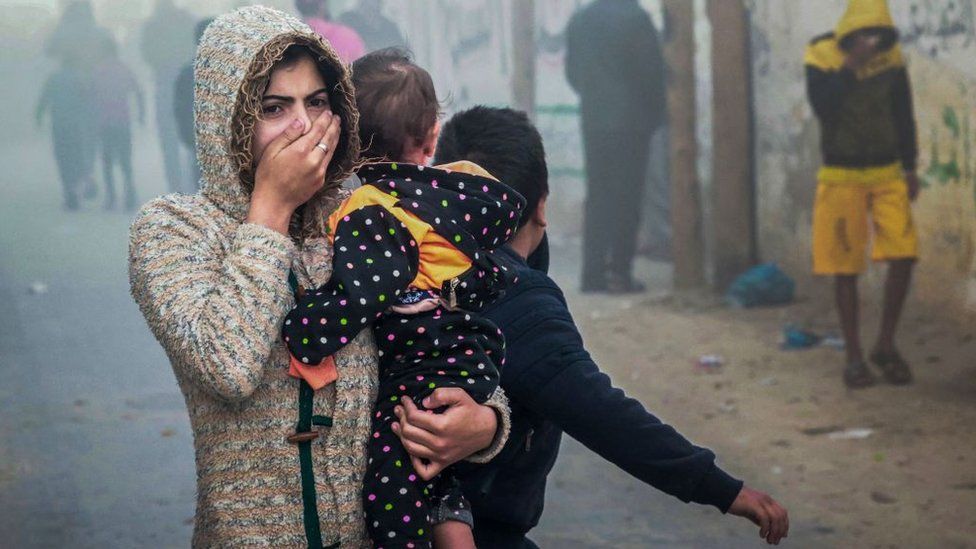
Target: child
x: 412, y: 260
x: 114, y: 85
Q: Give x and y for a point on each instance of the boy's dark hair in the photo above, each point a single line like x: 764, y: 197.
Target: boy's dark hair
x: 504, y: 142
x: 398, y: 105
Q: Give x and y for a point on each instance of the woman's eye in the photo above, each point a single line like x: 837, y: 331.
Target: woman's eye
x: 319, y: 103
x: 271, y: 109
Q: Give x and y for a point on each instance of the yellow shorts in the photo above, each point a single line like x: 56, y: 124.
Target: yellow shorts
x: 841, y: 217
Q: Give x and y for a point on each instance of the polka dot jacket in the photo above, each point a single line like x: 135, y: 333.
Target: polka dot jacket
x: 413, y: 262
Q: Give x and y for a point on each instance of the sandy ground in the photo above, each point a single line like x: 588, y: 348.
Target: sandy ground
x: 769, y: 415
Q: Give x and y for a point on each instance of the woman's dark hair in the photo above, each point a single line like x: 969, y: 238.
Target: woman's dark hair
x: 398, y: 105
x: 248, y: 110
x: 504, y: 142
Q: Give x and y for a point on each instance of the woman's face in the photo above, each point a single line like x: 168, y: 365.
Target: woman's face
x: 295, y: 91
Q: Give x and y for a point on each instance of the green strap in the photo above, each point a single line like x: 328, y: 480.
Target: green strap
x: 310, y: 510
x: 306, y: 419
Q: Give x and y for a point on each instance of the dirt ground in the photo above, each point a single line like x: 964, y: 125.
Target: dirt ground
x: 774, y: 416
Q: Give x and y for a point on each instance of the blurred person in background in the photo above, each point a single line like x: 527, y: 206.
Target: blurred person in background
x: 65, y: 96
x: 614, y: 63
x: 115, y: 87
x: 346, y: 41
x: 377, y: 30
x: 73, y: 43
x: 168, y: 44
x: 858, y: 87
x: 183, y: 109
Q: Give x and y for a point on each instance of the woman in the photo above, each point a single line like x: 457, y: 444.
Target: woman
x: 211, y: 275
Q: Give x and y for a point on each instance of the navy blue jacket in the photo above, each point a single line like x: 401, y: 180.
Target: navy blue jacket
x: 553, y: 386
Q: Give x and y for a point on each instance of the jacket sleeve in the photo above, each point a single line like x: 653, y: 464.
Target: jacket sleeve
x: 550, y: 373
x: 826, y: 90
x: 216, y: 310
x: 375, y: 260
x: 904, y: 113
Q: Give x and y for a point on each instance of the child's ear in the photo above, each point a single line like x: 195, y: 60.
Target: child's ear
x: 539, y: 216
x: 430, y: 145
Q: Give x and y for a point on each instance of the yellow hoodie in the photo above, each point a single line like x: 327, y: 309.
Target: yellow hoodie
x: 868, y: 130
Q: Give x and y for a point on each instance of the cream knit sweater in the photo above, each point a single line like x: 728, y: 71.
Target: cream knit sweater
x: 214, y: 291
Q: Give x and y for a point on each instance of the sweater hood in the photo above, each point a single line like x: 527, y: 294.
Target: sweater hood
x: 231, y: 72
x: 867, y: 14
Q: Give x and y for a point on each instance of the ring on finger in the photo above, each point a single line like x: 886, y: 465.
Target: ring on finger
x: 323, y: 146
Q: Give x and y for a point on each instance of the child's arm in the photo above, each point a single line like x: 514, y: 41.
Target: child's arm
x: 375, y: 259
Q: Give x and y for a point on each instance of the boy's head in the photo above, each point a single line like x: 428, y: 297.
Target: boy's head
x: 398, y: 107
x: 504, y: 142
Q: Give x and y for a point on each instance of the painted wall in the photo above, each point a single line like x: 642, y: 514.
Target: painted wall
x: 940, y: 45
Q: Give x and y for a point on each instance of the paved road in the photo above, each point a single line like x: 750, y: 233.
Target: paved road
x: 95, y: 446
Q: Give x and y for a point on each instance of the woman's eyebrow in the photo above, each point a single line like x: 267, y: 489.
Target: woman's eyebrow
x: 284, y: 98
x: 316, y: 92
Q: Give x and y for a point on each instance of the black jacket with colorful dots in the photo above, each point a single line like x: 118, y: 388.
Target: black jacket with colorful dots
x: 414, y: 261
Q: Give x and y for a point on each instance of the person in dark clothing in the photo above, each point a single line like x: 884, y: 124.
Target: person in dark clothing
x: 552, y: 383
x: 66, y: 96
x: 167, y: 45
x: 859, y: 89
x: 183, y: 109
x: 376, y: 30
x: 115, y: 87
x: 614, y: 63
x: 73, y: 43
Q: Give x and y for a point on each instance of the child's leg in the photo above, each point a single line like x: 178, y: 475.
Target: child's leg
x: 394, y: 496
x: 453, y: 535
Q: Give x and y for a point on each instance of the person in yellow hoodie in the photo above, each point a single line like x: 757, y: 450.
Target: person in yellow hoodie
x: 859, y: 89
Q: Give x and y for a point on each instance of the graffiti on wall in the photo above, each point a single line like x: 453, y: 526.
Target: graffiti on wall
x: 937, y: 26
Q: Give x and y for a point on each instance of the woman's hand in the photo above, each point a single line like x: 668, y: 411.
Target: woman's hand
x: 291, y: 170
x: 435, y: 441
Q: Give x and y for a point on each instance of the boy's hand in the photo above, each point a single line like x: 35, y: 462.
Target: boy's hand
x: 861, y: 51
x: 771, y: 517
x: 914, y: 186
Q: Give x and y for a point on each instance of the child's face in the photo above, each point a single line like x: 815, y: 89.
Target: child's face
x: 295, y: 91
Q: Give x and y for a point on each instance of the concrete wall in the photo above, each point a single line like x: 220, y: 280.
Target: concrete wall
x: 940, y: 43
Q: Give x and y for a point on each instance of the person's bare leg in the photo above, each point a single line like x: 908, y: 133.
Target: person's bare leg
x: 848, y: 308
x: 895, y: 290
x: 452, y: 534
x: 856, y: 373
x: 885, y: 355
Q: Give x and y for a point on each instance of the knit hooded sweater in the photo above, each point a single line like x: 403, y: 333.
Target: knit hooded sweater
x: 214, y: 291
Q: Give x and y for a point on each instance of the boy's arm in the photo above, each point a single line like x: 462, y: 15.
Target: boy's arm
x: 549, y: 372
x: 905, y: 121
x: 826, y: 89
x: 375, y: 259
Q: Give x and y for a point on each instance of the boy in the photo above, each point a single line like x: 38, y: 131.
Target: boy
x: 859, y: 90
x: 552, y: 383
